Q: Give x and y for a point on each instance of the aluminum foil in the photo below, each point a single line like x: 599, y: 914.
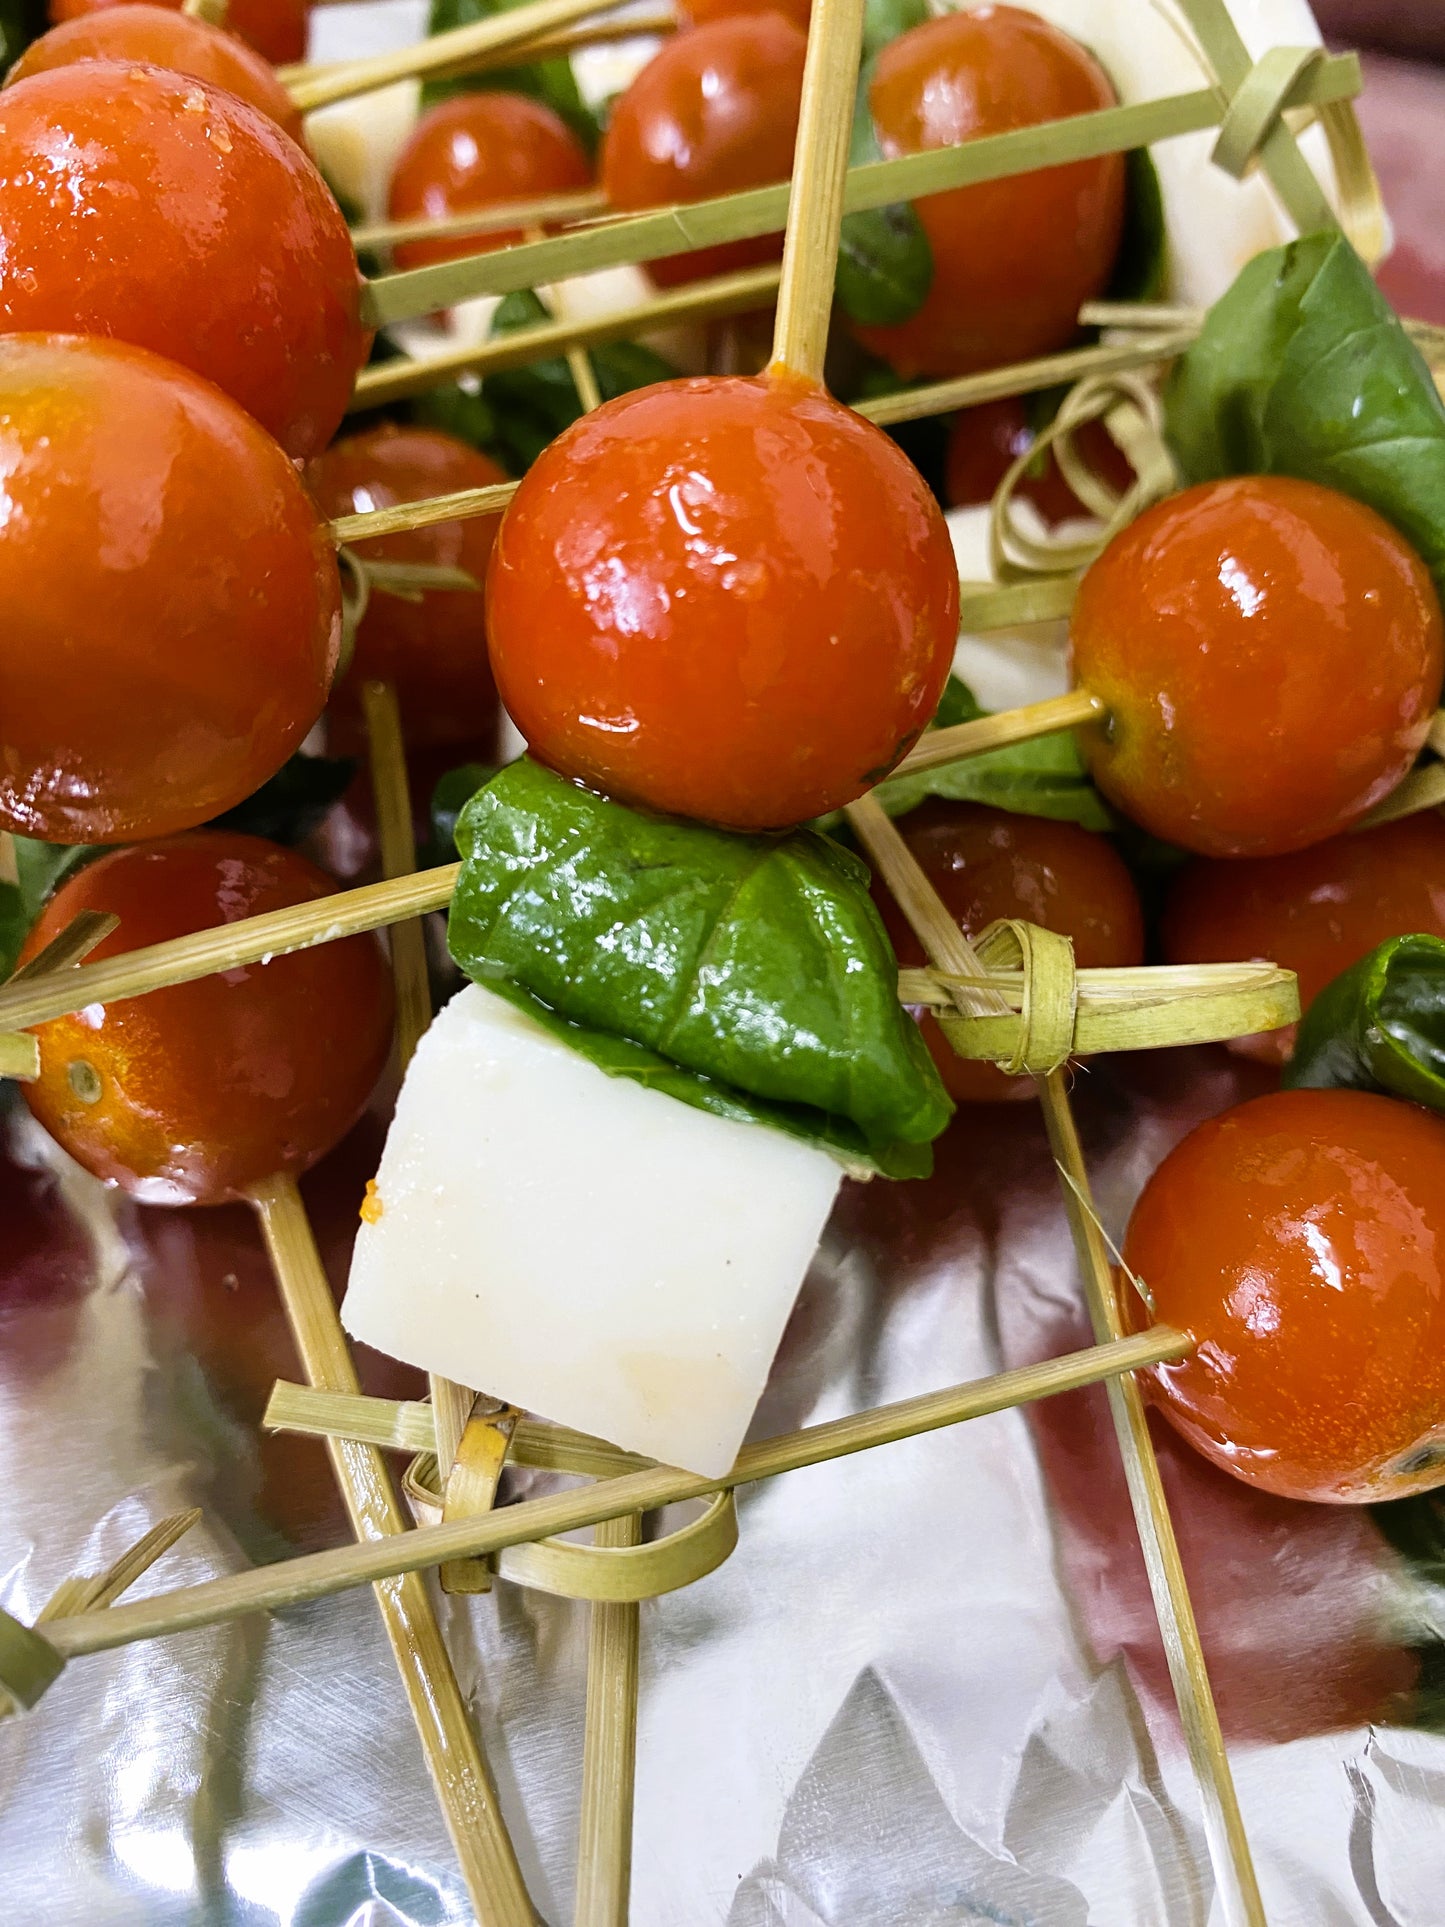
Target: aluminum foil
x: 926, y: 1688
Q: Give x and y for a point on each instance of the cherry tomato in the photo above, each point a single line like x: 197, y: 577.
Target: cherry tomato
x: 189, y: 1095
x: 172, y: 609
x: 481, y: 150
x: 987, y: 864
x: 434, y: 651
x: 277, y: 29
x: 729, y: 597
x: 985, y: 441
x: 1301, y: 1239
x: 157, y: 37
x: 1315, y: 912
x: 176, y: 217
x: 1013, y: 260
x: 715, y: 111
x: 700, y: 13
x: 1271, y: 656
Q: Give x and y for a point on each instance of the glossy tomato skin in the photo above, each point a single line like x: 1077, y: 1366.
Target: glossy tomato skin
x: 732, y: 599
x: 480, y: 150
x: 1315, y: 912
x: 189, y: 1095
x: 159, y: 37
x: 1013, y: 260
x: 172, y: 608
x: 715, y: 111
x: 1270, y: 653
x: 276, y: 29
x: 1301, y: 1239
x: 986, y: 440
x: 434, y: 652
x: 987, y: 864
x: 185, y: 222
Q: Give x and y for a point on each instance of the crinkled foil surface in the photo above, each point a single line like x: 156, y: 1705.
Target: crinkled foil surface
x: 925, y: 1689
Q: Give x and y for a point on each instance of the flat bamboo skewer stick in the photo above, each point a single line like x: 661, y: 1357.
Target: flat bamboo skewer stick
x: 316, y: 1575
x: 725, y: 294
x: 497, y: 34
x: 580, y: 205
x: 1025, y: 377
x: 542, y: 46
x: 609, y: 1750
x: 1229, y: 1850
x: 459, y: 1773
x: 386, y: 754
x: 763, y: 210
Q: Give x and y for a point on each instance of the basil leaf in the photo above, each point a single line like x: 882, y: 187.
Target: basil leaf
x: 291, y: 804
x: 1046, y: 777
x: 450, y: 797
x: 40, y: 869
x: 884, y: 20
x: 1304, y: 369
x: 1142, y: 260
x: 758, y: 963
x: 1380, y: 1026
x: 885, y: 264
x: 21, y: 21
x: 550, y: 81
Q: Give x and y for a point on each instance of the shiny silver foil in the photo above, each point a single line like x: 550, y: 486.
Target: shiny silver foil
x: 925, y: 1689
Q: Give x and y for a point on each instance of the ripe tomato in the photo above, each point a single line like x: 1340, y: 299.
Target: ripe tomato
x: 715, y: 111
x: 172, y: 610
x: 1315, y: 912
x: 183, y: 221
x: 1013, y: 260
x: 987, y: 864
x: 189, y: 1095
x: 1301, y: 1239
x: 1271, y: 655
x: 729, y: 598
x: 480, y: 150
x: 158, y: 37
x: 434, y: 651
x: 986, y: 440
x: 275, y: 28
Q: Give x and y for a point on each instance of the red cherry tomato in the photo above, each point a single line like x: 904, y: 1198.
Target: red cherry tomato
x: 189, y: 1095
x: 1315, y: 912
x: 172, y: 609
x: 481, y: 150
x: 985, y: 441
x: 1301, y: 1239
x: 1271, y: 656
x: 183, y: 221
x: 701, y: 13
x: 275, y: 28
x: 434, y: 651
x: 714, y: 112
x: 729, y: 598
x: 157, y: 37
x: 1013, y: 260
x: 987, y: 864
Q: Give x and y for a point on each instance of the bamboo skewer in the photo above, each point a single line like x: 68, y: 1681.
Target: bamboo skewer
x: 580, y: 205
x: 454, y: 1759
x: 455, y: 507
x: 317, y: 1574
x: 1224, y: 1827
x: 452, y: 51
x: 763, y: 210
x: 452, y: 1403
x: 609, y: 1750
x: 725, y: 294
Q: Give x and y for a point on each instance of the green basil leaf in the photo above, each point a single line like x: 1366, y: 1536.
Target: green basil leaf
x: 1380, y: 1026
x: 15, y: 921
x: 1046, y: 777
x: 885, y: 264
x: 758, y: 963
x: 40, y: 869
x: 291, y: 804
x: 550, y: 81
x: 1304, y: 369
x: 884, y: 20
x: 450, y: 797
x: 21, y: 21
x: 1143, y: 258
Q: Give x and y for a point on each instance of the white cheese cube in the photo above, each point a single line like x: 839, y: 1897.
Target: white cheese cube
x: 589, y: 1249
